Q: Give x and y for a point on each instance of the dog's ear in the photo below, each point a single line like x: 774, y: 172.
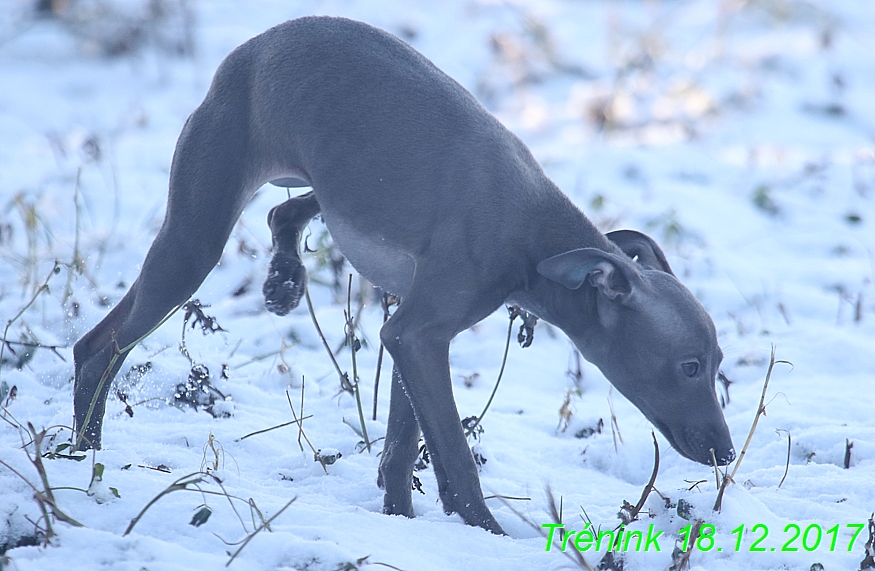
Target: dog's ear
x: 615, y: 277
x: 641, y: 247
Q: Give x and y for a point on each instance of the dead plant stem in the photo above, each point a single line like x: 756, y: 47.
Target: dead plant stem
x: 353, y: 349
x: 266, y: 524
x: 40, y: 289
x: 344, y: 381
x: 107, y: 373
x: 310, y: 444
x: 470, y: 430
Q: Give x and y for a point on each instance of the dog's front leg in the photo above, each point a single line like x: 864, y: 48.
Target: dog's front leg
x: 418, y: 338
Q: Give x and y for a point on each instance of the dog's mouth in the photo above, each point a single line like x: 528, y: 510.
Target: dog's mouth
x: 666, y: 432
x: 697, y: 450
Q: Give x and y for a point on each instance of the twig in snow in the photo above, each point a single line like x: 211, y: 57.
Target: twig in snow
x: 304, y: 434
x: 266, y: 524
x: 761, y: 410
x: 787, y: 465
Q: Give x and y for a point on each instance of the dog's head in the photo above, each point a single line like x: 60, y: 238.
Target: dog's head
x: 651, y: 338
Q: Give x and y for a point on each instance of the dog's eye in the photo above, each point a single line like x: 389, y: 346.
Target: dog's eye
x: 690, y: 368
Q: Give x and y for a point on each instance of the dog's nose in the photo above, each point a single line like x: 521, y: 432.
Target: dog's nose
x: 725, y: 457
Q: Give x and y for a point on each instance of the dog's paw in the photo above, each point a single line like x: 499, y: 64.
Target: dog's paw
x: 285, y: 284
x: 402, y: 505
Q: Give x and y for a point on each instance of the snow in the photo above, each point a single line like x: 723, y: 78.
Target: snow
x: 738, y: 134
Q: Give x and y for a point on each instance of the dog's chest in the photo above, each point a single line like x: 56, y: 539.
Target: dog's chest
x: 373, y: 256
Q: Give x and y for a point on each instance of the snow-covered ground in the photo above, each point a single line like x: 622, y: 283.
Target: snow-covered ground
x: 739, y: 133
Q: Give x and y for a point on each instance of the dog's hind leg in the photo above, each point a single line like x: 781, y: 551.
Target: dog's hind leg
x: 400, y: 451
x: 210, y: 184
x: 286, y: 276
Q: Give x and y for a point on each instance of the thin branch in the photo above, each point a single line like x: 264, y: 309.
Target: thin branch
x: 40, y: 501
x: 227, y: 495
x: 300, y: 423
x: 353, y: 349
x: 384, y: 302
x: 180, y: 484
x: 787, y: 465
x: 761, y: 409
x: 52, y: 348
x: 470, y: 430
x: 344, y: 379
x: 105, y: 377
x: 47, y: 495
x: 283, y: 425
x: 261, y: 527
x: 645, y: 493
x: 716, y: 469
x: 577, y: 558
x: 681, y: 559
x: 615, y: 426
x: 45, y: 287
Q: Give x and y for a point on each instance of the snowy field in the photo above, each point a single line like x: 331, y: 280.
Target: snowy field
x: 738, y: 133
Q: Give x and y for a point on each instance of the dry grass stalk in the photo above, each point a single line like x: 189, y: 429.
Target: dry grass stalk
x: 615, y: 427
x: 44, y: 498
x: 761, y: 410
x: 304, y: 434
x: 284, y: 424
x: 354, y: 345
x: 575, y: 556
x: 344, y: 378
x: 117, y: 352
x: 44, y: 287
x: 514, y: 312
x: 787, y: 464
x: 265, y: 525
x: 385, y: 302
x: 680, y: 560
x: 848, y: 447
x: 628, y: 516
